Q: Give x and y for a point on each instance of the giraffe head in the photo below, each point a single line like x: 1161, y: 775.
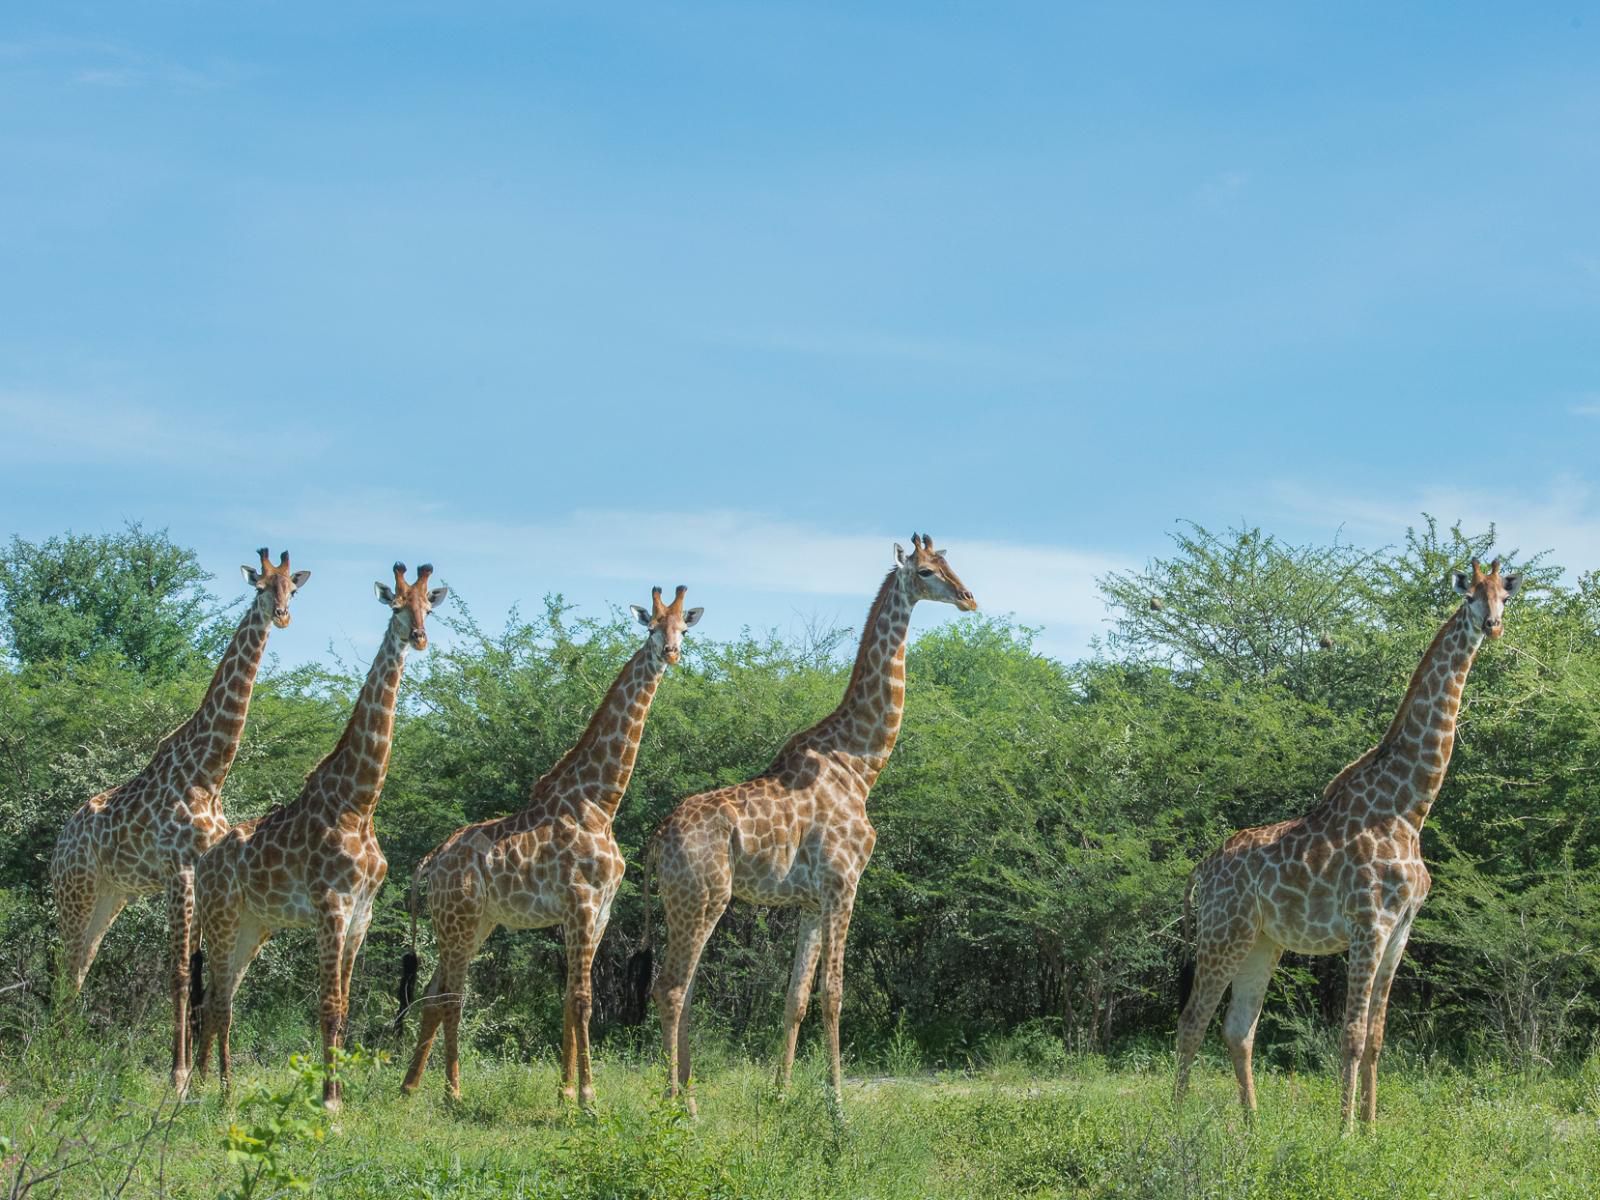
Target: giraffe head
x: 666, y: 622
x: 411, y: 602
x: 274, y: 585
x: 930, y: 576
x: 1486, y: 593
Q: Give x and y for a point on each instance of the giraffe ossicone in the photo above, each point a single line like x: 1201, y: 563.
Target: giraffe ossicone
x: 315, y: 861
x: 796, y: 835
x: 145, y: 836
x: 554, y: 863
x: 1348, y: 876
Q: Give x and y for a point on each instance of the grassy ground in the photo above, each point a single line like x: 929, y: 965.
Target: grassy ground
x: 102, y: 1113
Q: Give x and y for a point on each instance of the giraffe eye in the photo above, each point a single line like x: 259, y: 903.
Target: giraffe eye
x: 925, y: 572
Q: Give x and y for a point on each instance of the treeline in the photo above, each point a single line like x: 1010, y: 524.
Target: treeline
x: 1036, y: 823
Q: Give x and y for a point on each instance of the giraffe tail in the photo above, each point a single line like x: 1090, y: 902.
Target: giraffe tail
x: 410, y: 964
x: 1186, y: 971
x: 197, y: 994
x: 641, y: 963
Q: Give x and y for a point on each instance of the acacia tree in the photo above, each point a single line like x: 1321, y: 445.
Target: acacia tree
x: 134, y: 593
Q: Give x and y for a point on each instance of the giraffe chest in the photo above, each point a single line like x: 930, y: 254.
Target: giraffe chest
x: 536, y: 879
x: 146, y: 835
x: 294, y: 870
x: 801, y: 853
x: 1316, y: 898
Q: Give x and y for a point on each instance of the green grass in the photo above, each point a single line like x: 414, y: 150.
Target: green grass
x: 1083, y: 1130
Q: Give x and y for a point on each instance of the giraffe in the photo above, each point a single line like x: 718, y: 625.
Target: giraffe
x: 315, y: 861
x: 797, y: 834
x: 1346, y: 876
x: 554, y: 863
x: 144, y: 836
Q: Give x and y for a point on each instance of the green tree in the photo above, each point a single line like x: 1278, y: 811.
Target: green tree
x: 132, y: 593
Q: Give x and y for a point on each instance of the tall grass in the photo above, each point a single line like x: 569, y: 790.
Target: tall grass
x: 93, y: 1117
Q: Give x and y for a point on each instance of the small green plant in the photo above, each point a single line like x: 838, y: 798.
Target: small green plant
x: 902, y: 1055
x: 275, y: 1121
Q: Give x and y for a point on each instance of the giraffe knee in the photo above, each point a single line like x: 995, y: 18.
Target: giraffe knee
x: 1374, y: 1046
x: 668, y: 996
x: 832, y: 1002
x: 1355, y: 1038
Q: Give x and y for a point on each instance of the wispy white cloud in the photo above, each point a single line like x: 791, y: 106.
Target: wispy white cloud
x: 1561, y: 516
x: 1224, y: 189
x: 88, y: 62
x: 1587, y: 406
x: 57, y: 428
x: 889, y: 347
x: 1050, y: 586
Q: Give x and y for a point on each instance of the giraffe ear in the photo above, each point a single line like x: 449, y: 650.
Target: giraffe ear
x: 690, y: 617
x: 299, y: 578
x: 385, y: 593
x: 1461, y: 583
x: 1512, y: 584
x: 899, y: 555
x: 251, y: 576
x: 642, y: 616
x: 437, y: 596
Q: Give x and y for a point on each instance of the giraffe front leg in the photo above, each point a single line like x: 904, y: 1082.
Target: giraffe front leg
x: 1366, y: 953
x: 1377, y: 1017
x: 806, y: 953
x: 583, y: 932
x: 354, y: 939
x: 331, y: 934
x: 180, y: 923
x: 837, y: 925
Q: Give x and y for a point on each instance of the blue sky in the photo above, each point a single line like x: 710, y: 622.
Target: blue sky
x: 587, y: 297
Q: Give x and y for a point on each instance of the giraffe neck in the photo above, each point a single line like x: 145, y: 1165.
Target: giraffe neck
x: 867, y: 721
x: 202, y: 749
x: 1404, y: 772
x: 352, y: 775
x: 600, y: 763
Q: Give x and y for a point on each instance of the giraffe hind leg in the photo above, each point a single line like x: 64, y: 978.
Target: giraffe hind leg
x: 427, y: 1029
x: 87, y: 911
x: 1215, y: 967
x: 808, y: 949
x: 689, y: 926
x: 1244, y: 1010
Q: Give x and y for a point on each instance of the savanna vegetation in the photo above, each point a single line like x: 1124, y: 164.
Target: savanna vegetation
x: 1010, y: 976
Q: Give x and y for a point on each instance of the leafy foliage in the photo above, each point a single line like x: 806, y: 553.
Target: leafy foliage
x: 1036, y: 822
x: 133, y: 594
